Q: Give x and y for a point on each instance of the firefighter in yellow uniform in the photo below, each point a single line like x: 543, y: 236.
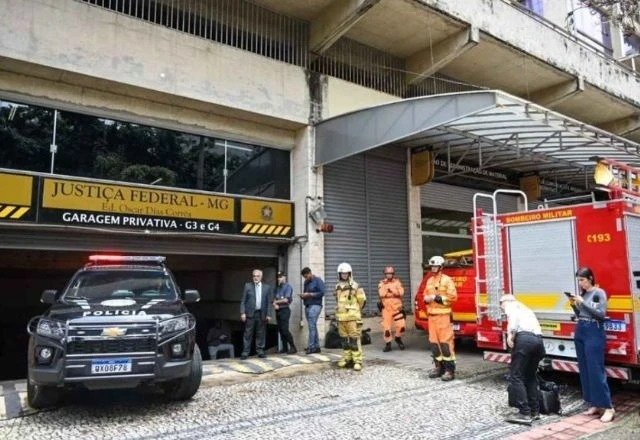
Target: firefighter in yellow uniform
x: 439, y: 294
x: 350, y: 299
x: 391, y: 293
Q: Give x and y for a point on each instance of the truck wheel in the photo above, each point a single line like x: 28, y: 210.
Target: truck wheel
x: 185, y: 387
x: 39, y: 396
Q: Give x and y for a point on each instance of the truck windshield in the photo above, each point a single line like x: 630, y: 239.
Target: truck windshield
x: 118, y: 284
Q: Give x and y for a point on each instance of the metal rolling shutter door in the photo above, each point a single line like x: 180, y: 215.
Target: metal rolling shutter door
x: 388, y: 224
x: 458, y: 198
x: 366, y: 200
x: 345, y: 204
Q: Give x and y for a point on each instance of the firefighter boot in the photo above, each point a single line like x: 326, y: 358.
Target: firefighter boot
x: 387, y: 347
x: 449, y: 368
x: 399, y: 342
x: 357, y: 366
x: 437, y: 371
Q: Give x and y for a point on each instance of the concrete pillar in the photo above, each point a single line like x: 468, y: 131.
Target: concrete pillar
x: 415, y: 232
x: 308, y: 250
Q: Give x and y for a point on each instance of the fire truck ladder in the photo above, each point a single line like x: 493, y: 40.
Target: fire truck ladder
x: 618, y: 176
x: 490, y: 255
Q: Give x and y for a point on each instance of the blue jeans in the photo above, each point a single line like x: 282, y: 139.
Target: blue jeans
x: 590, y: 346
x: 313, y: 313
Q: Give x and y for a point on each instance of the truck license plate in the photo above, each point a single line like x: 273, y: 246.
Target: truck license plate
x: 102, y: 366
x: 615, y: 326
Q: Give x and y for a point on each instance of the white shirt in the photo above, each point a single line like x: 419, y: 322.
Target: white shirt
x: 521, y: 318
x: 258, y: 296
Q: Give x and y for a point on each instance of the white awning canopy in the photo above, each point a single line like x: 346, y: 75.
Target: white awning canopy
x: 489, y: 129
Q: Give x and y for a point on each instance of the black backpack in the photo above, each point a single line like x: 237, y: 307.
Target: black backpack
x: 332, y: 338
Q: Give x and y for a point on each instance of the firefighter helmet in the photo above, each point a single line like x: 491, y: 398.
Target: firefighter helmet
x: 436, y: 261
x: 389, y: 270
x: 344, y: 268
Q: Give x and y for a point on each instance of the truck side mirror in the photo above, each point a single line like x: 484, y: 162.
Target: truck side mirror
x: 191, y: 296
x: 49, y: 296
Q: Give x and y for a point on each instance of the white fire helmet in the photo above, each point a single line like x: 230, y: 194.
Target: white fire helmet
x: 344, y: 268
x: 436, y: 261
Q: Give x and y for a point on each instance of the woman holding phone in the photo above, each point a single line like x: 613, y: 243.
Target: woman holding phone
x: 590, y: 307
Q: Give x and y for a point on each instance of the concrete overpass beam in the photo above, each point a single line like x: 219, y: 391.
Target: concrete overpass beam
x: 334, y: 21
x: 428, y: 61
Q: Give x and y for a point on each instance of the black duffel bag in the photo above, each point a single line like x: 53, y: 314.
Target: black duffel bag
x: 549, y: 397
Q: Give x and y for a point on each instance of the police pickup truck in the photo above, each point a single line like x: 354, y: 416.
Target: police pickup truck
x: 120, y: 322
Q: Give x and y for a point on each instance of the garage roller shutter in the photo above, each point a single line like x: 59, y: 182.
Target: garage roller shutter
x: 366, y: 200
x: 458, y: 198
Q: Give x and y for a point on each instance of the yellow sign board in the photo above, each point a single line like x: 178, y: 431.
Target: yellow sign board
x: 265, y: 212
x: 15, y: 189
x: 99, y: 197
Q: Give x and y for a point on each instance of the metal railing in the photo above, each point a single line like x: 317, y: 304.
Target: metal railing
x: 236, y: 23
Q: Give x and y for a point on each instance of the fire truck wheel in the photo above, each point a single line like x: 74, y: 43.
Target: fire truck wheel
x: 184, y: 388
x: 39, y: 396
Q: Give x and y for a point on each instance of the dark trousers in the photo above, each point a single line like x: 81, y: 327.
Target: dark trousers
x: 590, y: 346
x: 256, y: 325
x: 282, y: 318
x: 528, y: 350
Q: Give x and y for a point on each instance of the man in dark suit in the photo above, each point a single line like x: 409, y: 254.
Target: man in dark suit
x: 255, y: 312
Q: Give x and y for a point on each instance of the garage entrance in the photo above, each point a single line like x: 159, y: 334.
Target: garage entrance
x: 24, y: 274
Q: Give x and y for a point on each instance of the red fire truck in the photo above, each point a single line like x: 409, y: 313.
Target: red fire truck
x: 459, y: 266
x: 534, y: 255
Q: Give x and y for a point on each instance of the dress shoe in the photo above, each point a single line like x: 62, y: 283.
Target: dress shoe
x: 243, y: 357
x: 535, y: 416
x: 608, y: 415
x: 292, y: 350
x: 262, y: 355
x: 312, y: 350
x: 519, y: 418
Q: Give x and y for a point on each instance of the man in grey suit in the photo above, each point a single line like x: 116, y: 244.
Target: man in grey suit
x: 255, y: 312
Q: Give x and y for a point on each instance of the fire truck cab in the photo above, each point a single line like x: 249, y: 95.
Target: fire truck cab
x: 534, y: 254
x: 459, y: 266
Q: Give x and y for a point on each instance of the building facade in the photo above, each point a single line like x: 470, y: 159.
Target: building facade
x: 225, y: 98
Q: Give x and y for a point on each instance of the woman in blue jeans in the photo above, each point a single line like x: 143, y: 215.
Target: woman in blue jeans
x: 590, y: 307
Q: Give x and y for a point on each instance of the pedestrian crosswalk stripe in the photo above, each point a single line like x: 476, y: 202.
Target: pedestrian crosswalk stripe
x: 321, y: 357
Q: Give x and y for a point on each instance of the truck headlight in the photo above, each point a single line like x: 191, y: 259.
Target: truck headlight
x: 174, y: 325
x: 50, y: 328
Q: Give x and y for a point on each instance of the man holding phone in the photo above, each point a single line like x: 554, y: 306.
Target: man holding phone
x: 312, y: 295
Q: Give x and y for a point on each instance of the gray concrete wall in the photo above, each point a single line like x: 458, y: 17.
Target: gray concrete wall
x: 501, y: 20
x: 73, y: 37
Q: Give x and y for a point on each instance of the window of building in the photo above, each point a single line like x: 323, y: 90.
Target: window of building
x: 535, y: 6
x: 590, y: 26
x: 94, y: 147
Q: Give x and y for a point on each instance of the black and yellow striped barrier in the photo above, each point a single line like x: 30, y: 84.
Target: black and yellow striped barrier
x: 255, y: 365
x: 12, y: 211
x: 262, y: 229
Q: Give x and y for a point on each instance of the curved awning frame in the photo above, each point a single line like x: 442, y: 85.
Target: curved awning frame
x: 489, y: 128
